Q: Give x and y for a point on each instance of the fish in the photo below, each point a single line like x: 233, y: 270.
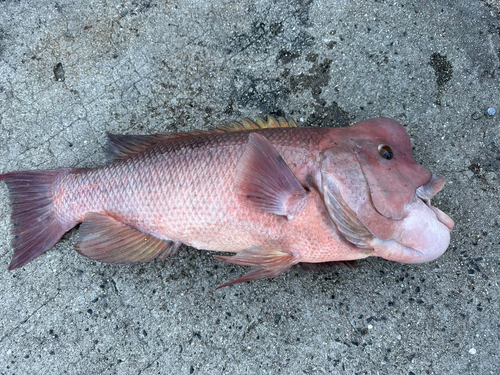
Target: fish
x: 271, y: 192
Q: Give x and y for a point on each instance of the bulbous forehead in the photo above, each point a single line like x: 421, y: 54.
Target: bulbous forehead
x: 383, y: 130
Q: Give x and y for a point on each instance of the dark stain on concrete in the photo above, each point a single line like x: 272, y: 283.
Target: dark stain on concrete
x: 319, y: 77
x: 2, y: 41
x: 260, y: 38
x: 301, y: 13
x: 257, y: 37
x: 59, y: 72
x: 267, y: 94
x: 287, y: 57
x: 443, y: 69
x: 490, y: 157
x: 264, y: 34
x: 270, y: 95
x: 328, y: 116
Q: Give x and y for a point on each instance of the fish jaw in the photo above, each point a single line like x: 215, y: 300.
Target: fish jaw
x: 424, y: 233
x: 422, y: 236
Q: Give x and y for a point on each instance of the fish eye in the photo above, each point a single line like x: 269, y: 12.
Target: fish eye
x: 386, y: 152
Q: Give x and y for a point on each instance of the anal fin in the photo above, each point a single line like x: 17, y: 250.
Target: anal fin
x: 105, y: 239
x: 266, y: 263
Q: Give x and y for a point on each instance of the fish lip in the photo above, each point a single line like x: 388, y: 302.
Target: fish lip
x: 420, y: 256
x: 397, y: 251
x: 424, y: 199
x: 428, y: 191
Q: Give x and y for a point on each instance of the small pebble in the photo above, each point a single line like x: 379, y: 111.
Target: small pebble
x: 370, y: 326
x: 59, y: 72
x: 472, y: 351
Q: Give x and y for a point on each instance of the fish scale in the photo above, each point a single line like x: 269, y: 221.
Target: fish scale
x: 197, y: 187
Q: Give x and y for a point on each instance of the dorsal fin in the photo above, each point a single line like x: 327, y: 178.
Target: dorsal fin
x: 121, y: 146
x: 259, y: 123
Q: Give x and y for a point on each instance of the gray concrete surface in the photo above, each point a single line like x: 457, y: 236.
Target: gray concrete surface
x: 148, y: 66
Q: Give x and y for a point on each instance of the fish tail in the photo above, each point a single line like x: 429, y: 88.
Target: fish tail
x: 35, y: 226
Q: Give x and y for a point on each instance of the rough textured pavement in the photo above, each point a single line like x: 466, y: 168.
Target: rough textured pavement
x: 72, y: 70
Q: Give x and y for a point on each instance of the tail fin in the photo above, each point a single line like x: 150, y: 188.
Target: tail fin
x: 35, y: 227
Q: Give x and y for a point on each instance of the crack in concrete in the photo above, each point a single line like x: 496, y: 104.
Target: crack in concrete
x: 29, y: 316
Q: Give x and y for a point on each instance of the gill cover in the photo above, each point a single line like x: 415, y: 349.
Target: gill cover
x: 346, y: 196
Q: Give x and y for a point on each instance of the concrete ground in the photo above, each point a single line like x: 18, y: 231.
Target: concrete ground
x: 72, y: 70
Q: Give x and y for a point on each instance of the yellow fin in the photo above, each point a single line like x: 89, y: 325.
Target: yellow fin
x: 259, y: 123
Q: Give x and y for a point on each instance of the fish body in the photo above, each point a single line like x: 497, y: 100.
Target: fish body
x: 271, y: 192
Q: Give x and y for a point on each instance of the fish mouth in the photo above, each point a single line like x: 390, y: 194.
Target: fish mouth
x: 426, y: 192
x: 424, y: 234
x: 430, y: 189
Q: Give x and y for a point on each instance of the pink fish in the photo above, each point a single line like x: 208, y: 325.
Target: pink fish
x: 273, y: 193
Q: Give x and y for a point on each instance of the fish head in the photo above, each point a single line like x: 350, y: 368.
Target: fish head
x: 379, y: 197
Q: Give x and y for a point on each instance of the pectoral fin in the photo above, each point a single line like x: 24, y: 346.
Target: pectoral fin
x: 265, y: 180
x: 265, y: 263
x: 107, y: 240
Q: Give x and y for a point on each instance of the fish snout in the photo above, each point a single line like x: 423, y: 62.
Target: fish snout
x: 430, y: 189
